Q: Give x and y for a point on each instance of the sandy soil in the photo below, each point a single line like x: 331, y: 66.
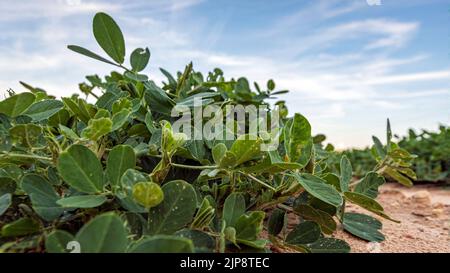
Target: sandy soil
x: 424, y: 212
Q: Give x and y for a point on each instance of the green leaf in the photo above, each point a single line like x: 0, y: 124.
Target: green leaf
x: 57, y: 240
x: 388, y: 134
x: 321, y: 205
x: 297, y: 136
x: 88, y: 53
x: 196, y: 149
x: 139, y: 59
x: 363, y: 201
x: 408, y: 172
x: 317, y: 139
x: 255, y: 244
x: 333, y: 180
x: 169, y: 77
x: 81, y: 169
x: 163, y: 244
x: 111, y: 96
x: 17, y: 104
x: 157, y: 99
x: 346, y: 173
x: 398, y: 177
x: 304, y: 233
x: 276, y: 222
x: 5, y: 202
x: 245, y: 148
x: 233, y: 208
x: 121, y: 104
x: 363, y: 226
x: 68, y: 133
x: 204, y: 216
x: 43, y: 109
x: 230, y: 235
x: 60, y: 118
x: 149, y: 122
x: 26, y: 134
x: 367, y: 203
x: 105, y: 233
x: 136, y: 77
x: 218, y: 152
x: 119, y: 119
x: 43, y: 197
x: 171, y: 141
x: 329, y: 245
x: 369, y: 185
x: 379, y: 147
x: 97, y: 128
x: 120, y: 159
x: 7, y: 185
x: 271, y: 85
x: 109, y: 36
x: 148, y: 194
x: 318, y: 188
x: 11, y: 170
x: 127, y: 182
x: 249, y: 226
x: 202, y: 241
x: 177, y: 209
x: 102, y: 113
x: 21, y: 227
x: 228, y: 160
x: 82, y: 201
x: 325, y: 220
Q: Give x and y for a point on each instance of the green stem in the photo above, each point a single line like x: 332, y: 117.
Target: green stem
x: 126, y: 69
x: 193, y: 167
x: 92, y: 94
x: 287, y: 208
x: 28, y: 156
x: 259, y: 181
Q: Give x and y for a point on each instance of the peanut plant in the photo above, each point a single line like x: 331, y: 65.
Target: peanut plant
x: 113, y: 175
x: 430, y: 162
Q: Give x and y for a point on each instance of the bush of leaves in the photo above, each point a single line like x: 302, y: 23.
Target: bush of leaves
x: 433, y: 151
x: 107, y: 173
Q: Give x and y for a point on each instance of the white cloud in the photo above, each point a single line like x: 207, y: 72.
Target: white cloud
x: 26, y: 10
x: 332, y: 72
x: 411, y: 77
x: 180, y: 5
x: 315, y: 13
x: 379, y: 33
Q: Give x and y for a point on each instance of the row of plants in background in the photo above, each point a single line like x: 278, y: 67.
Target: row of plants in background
x: 432, y: 150
x: 113, y: 176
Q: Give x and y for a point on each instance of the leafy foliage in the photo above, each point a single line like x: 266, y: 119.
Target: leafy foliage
x: 114, y: 175
x: 430, y: 162
x: 433, y: 151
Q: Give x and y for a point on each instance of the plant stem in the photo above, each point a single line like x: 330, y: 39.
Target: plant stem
x: 126, y: 69
x: 92, y: 94
x: 283, y: 206
x: 193, y: 167
x: 259, y: 181
x: 28, y: 156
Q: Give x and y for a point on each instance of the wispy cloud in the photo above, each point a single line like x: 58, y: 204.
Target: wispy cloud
x: 342, y: 64
x: 313, y: 13
x: 412, y: 77
x: 28, y: 10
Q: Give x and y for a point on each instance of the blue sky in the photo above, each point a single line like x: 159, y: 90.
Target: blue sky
x: 348, y: 65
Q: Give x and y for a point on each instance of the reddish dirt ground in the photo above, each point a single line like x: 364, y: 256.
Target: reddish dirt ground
x: 424, y: 212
